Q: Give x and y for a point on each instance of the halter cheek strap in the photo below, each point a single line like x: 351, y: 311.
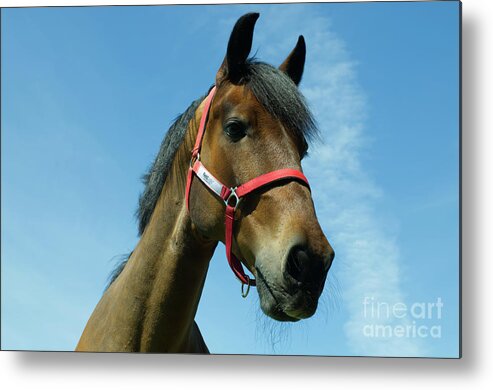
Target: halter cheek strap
x: 231, y: 196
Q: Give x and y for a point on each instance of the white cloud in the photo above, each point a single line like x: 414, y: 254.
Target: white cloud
x: 367, y: 256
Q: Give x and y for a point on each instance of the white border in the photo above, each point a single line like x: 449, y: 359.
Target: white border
x: 105, y: 371
x: 33, y: 3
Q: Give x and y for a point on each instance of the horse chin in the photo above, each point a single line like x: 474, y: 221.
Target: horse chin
x: 280, y: 305
x: 280, y: 315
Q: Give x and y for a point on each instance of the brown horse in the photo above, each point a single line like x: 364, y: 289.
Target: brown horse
x: 257, y: 123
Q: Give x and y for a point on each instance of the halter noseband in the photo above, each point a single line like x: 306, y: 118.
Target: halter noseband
x: 231, y: 196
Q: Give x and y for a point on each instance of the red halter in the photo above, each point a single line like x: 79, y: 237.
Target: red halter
x: 231, y: 195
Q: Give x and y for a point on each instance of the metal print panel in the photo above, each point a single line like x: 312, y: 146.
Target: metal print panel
x: 301, y: 179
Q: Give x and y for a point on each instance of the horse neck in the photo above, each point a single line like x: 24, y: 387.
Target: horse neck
x: 152, y: 304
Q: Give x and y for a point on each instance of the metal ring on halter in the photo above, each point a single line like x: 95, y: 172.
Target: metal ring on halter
x: 244, y: 294
x: 194, y: 159
x: 233, y: 196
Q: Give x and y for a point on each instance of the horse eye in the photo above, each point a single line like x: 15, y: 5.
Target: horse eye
x: 235, y: 130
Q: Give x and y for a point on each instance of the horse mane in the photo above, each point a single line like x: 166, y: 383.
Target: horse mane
x: 277, y: 93
x: 156, y: 176
x: 274, y: 90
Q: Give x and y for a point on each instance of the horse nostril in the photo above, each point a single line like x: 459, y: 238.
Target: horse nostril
x: 303, y: 267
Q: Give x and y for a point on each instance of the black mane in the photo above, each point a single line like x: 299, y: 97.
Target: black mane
x: 274, y: 90
x: 155, y: 178
x: 278, y: 94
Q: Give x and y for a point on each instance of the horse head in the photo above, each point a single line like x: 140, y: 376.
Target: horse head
x: 258, y: 123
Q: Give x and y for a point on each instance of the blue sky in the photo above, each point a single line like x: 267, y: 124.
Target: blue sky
x: 88, y: 94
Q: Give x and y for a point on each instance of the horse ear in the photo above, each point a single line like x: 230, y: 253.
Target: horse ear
x: 294, y: 64
x: 239, y: 46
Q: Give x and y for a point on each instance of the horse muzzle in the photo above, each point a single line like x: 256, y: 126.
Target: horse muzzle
x: 293, y: 294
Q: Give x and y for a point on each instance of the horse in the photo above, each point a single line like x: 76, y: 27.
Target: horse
x: 229, y: 170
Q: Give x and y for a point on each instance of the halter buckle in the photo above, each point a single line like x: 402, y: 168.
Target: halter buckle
x: 244, y: 293
x: 194, y: 159
x: 232, y: 200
